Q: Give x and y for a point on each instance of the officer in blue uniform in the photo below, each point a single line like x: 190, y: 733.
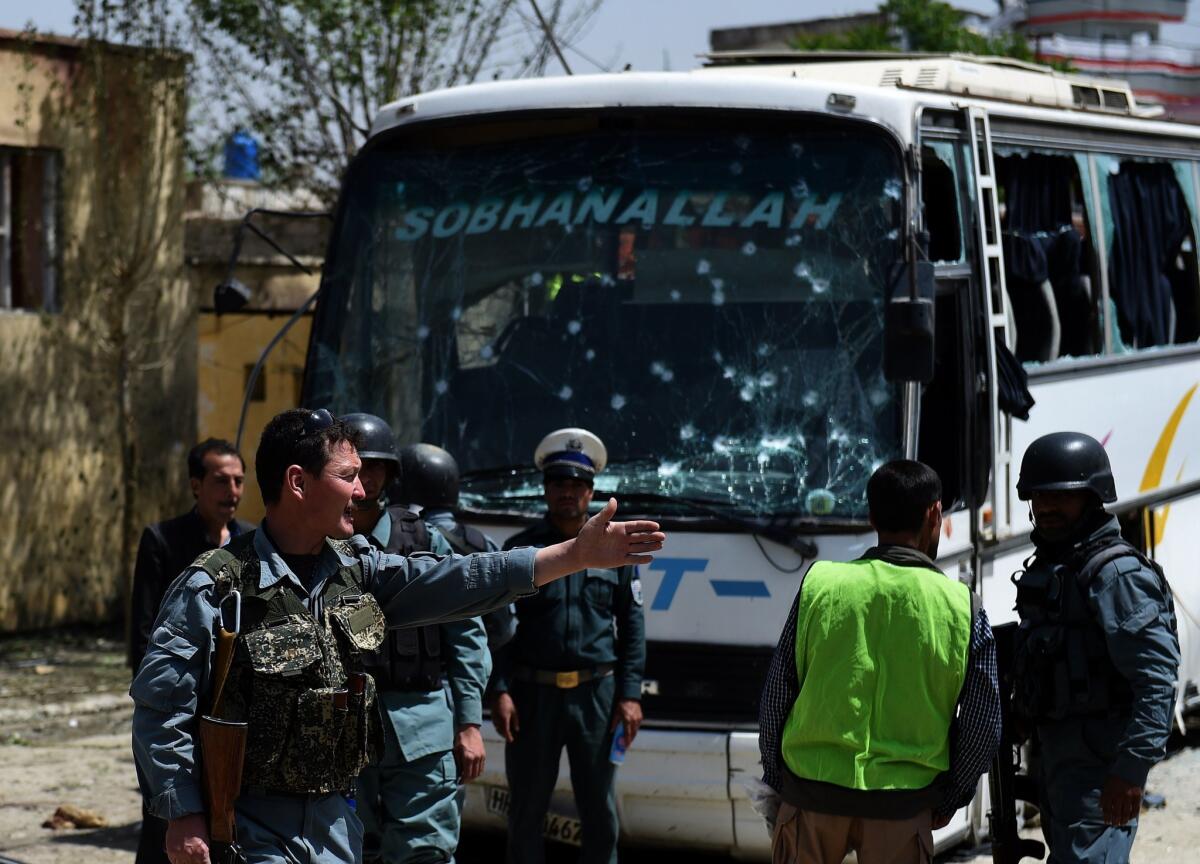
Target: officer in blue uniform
x: 569, y: 676
x: 1096, y: 653
x: 301, y: 554
x: 411, y: 802
x: 430, y: 481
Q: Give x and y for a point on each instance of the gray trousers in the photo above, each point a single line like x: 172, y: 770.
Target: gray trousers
x: 309, y: 829
x: 1075, y: 755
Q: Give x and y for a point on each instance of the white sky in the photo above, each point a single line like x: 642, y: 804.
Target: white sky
x: 640, y: 32
x: 649, y: 34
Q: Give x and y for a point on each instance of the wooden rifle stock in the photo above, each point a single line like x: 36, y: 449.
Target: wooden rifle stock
x: 222, y: 754
x: 222, y: 748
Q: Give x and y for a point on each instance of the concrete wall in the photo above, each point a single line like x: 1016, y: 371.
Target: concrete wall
x: 98, y: 398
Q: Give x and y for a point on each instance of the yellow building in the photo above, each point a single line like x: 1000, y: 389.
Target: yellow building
x: 229, y: 347
x: 97, y: 326
x: 230, y: 344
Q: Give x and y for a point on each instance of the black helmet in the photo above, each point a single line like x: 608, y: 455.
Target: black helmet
x: 376, y: 440
x: 1066, y: 460
x: 430, y: 476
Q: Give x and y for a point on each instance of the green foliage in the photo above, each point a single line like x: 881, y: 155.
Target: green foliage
x: 929, y: 26
x: 307, y: 77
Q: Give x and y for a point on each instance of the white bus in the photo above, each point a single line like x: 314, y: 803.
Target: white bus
x: 698, y: 267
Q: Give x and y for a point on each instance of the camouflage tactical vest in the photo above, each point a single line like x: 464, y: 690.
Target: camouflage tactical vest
x: 291, y: 672
x: 411, y: 658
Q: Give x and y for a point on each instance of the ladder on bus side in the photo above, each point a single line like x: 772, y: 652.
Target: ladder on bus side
x: 998, y: 523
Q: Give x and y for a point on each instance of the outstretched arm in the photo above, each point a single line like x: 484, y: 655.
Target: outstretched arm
x: 422, y: 589
x: 601, y: 543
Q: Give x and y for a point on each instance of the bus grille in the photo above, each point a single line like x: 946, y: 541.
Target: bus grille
x: 704, y: 683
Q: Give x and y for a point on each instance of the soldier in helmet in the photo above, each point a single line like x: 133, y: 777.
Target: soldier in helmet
x: 311, y: 599
x: 410, y: 802
x: 431, y: 482
x: 569, y: 677
x: 1096, y: 653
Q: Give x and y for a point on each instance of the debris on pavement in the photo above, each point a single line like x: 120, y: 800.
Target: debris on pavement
x: 69, y: 816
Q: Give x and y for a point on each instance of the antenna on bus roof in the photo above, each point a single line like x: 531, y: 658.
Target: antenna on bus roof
x: 550, y: 37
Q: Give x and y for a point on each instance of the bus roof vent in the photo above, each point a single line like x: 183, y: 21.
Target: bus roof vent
x: 1001, y: 78
x: 891, y: 76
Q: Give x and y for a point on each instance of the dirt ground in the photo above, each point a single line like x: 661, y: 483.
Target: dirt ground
x: 64, y: 740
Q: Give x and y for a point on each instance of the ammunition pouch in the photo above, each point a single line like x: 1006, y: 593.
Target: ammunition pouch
x: 1061, y: 664
x: 410, y: 660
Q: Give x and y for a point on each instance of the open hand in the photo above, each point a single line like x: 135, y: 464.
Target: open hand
x: 604, y: 543
x: 187, y: 840
x: 1120, y: 800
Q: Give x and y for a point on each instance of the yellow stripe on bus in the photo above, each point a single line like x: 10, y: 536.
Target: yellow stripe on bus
x: 1152, y: 479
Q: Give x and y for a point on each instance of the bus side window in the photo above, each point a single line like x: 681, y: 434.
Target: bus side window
x: 1049, y: 261
x: 1153, y: 286
x: 939, y: 199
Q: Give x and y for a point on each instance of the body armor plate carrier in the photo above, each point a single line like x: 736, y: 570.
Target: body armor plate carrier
x: 411, y: 657
x: 1061, y: 663
x: 294, y: 675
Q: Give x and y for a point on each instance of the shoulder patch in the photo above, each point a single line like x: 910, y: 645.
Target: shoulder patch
x: 635, y: 587
x: 198, y: 580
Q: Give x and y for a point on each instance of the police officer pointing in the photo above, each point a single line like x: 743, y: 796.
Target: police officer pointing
x: 312, y: 600
x: 568, y: 677
x: 410, y: 801
x: 1096, y: 653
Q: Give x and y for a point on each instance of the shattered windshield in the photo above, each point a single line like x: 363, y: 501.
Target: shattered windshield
x: 703, y: 294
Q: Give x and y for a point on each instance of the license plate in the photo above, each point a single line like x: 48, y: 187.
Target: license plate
x: 557, y: 827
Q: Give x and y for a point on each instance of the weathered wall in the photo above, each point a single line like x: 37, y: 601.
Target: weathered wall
x: 99, y: 398
x: 229, y: 345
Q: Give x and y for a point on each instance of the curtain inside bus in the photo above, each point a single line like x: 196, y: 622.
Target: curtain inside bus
x: 1151, y: 224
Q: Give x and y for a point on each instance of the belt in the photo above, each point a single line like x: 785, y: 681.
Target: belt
x: 563, y: 680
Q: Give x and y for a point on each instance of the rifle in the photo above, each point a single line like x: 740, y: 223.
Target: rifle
x: 222, y: 749
x: 1006, y: 784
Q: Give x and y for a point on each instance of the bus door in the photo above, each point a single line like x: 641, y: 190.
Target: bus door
x: 955, y: 430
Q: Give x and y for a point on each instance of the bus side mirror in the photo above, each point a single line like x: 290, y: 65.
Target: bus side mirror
x: 908, y: 349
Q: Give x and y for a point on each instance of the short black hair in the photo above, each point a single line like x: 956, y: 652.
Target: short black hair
x: 900, y: 492
x: 220, y: 446
x: 284, y: 442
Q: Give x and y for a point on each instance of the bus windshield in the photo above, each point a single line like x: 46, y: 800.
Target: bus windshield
x: 704, y: 292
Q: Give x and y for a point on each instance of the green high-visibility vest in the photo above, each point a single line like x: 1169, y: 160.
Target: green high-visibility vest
x: 881, y: 653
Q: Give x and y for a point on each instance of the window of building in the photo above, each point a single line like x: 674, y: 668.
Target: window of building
x: 29, y: 229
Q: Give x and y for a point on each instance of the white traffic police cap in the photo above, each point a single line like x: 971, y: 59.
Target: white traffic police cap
x: 571, y: 452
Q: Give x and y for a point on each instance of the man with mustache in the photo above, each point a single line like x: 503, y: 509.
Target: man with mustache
x: 216, y: 473
x: 1096, y: 653
x: 569, y: 677
x: 312, y: 600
